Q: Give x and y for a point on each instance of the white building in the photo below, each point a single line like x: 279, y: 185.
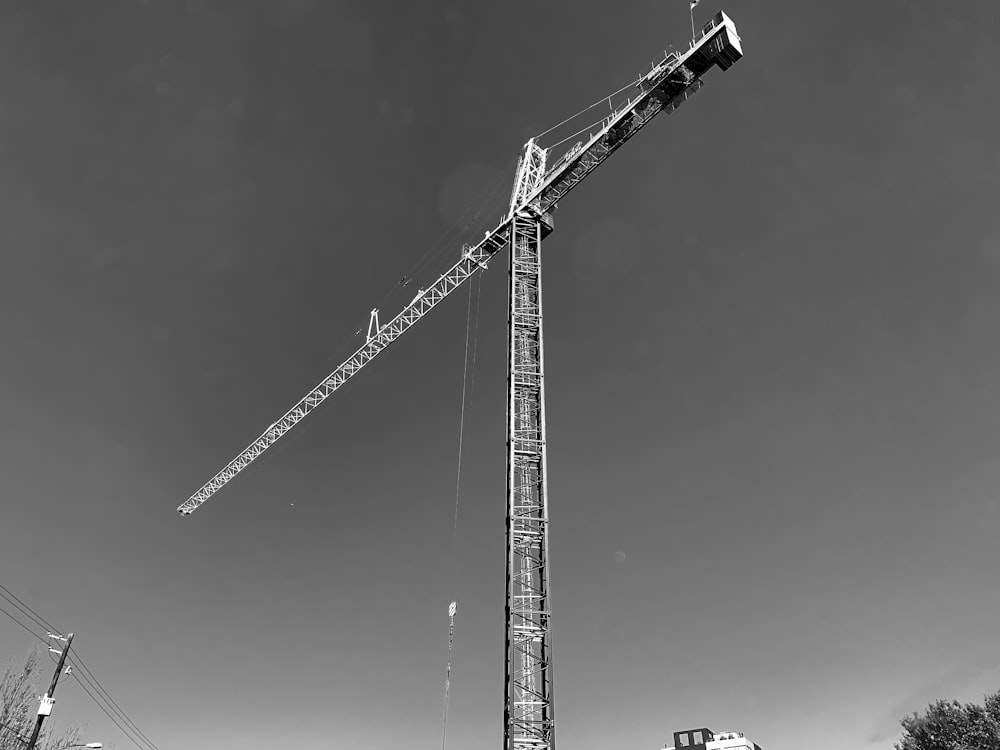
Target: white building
x: 706, y: 739
x: 730, y: 741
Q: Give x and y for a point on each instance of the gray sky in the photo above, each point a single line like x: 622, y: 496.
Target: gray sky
x: 771, y: 347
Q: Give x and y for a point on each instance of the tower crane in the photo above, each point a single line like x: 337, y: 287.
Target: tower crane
x: 529, y: 715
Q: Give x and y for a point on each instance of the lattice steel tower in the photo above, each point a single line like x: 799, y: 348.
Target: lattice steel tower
x: 529, y: 719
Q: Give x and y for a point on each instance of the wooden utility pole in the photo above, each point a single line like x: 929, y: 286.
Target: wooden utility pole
x: 46, y: 705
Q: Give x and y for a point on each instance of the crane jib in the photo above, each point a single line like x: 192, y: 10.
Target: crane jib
x: 669, y: 84
x: 472, y: 260
x: 664, y: 88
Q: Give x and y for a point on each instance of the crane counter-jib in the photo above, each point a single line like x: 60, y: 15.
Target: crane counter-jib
x: 670, y: 83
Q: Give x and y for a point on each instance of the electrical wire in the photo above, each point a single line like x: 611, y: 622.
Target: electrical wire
x: 73, y: 659
x: 18, y: 622
x: 142, y: 743
x: 130, y: 730
x: 76, y: 661
x: 37, y: 618
x: 14, y: 732
x: 25, y: 609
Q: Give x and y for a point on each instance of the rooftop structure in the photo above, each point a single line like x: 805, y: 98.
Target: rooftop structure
x: 692, y: 739
x: 731, y: 741
x: 706, y: 739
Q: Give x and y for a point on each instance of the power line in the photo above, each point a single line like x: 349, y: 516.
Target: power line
x: 13, y: 731
x: 143, y: 744
x: 102, y: 694
x: 78, y: 662
x: 25, y: 609
x: 21, y: 624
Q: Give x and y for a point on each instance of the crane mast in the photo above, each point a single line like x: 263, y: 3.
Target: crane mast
x: 529, y: 720
x: 529, y: 706
x: 529, y: 712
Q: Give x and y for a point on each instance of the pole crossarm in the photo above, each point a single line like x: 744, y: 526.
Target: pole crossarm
x: 472, y: 260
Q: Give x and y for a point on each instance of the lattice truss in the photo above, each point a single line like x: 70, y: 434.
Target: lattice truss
x: 669, y: 84
x: 473, y: 259
x: 530, y: 171
x: 673, y: 86
x: 529, y: 714
x: 529, y: 722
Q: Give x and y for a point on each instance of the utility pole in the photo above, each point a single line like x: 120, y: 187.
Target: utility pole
x: 45, y: 708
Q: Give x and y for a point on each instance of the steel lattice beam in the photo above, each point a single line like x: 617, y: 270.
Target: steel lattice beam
x: 670, y: 83
x: 529, y: 717
x: 529, y: 709
x: 472, y: 260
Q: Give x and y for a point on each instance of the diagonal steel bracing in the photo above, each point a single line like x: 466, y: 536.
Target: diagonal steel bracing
x: 669, y: 84
x: 529, y: 722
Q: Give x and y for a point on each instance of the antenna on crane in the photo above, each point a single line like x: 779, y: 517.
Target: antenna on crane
x: 530, y: 171
x: 373, y: 326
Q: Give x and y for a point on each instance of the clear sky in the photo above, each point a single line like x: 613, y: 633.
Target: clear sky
x: 773, y: 367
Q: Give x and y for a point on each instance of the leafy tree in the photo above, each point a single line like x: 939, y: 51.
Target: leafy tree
x: 949, y: 725
x: 19, y: 691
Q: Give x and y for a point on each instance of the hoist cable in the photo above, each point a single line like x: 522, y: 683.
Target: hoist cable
x: 461, y: 428
x: 586, y: 109
x: 473, y: 213
x: 447, y: 679
x: 468, y: 389
x: 578, y: 132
